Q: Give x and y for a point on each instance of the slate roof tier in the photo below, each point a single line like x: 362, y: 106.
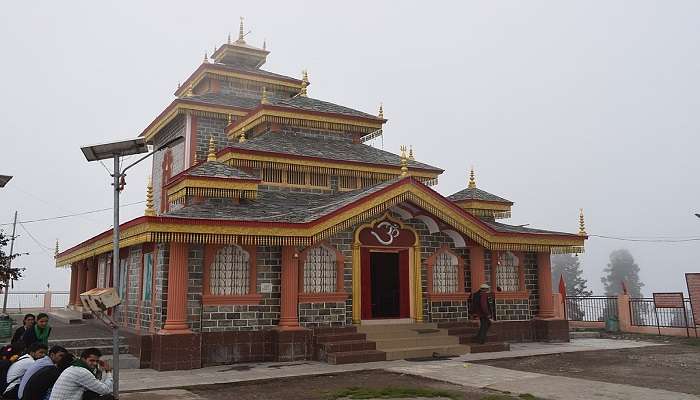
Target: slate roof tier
x: 215, y: 169
x: 335, y: 149
x: 251, y: 73
x: 477, y: 194
x: 310, y: 104
x: 505, y: 228
x: 277, y: 206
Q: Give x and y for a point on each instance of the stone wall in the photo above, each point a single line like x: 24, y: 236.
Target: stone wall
x: 160, y: 289
x: 518, y: 309
x: 207, y: 128
x: 133, y: 288
x: 322, y: 314
x: 449, y: 311
x: 195, y: 261
x: 172, y: 129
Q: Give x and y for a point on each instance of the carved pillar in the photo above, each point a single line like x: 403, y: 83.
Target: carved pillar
x: 544, y: 285
x: 82, y: 274
x: 91, y: 275
x: 176, y: 320
x: 476, y: 267
x: 73, y: 296
x: 290, y: 289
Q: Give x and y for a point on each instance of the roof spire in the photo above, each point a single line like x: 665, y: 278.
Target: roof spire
x: 149, y: 198
x: 263, y: 98
x: 381, y: 111
x: 404, y: 161
x: 410, y: 153
x: 206, y: 59
x: 581, y: 224
x: 472, y: 179
x: 304, y: 83
x: 212, y: 149
x: 228, y: 41
x: 264, y: 44
x: 240, y: 33
x: 55, y: 252
x: 241, y: 138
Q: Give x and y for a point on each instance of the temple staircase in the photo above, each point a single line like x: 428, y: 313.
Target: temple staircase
x: 466, y: 331
x: 410, y: 340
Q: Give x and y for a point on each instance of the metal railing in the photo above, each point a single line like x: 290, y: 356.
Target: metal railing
x: 18, y: 301
x: 644, y: 313
x: 590, y: 308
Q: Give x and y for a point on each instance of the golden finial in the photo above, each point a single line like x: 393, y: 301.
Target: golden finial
x: 206, y: 59
x: 381, y: 111
x: 229, y: 119
x: 228, y: 41
x: 472, y: 179
x: 404, y: 161
x: 55, y: 252
x: 194, y: 159
x: 241, y: 138
x: 263, y: 98
x: 410, y: 153
x: 150, y: 211
x: 581, y: 224
x: 212, y: 149
x: 304, y: 83
x: 264, y: 44
x: 240, y: 33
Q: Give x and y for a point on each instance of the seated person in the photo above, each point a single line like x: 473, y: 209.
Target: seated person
x: 80, y: 378
x: 17, y: 370
x: 39, y: 386
x: 56, y: 354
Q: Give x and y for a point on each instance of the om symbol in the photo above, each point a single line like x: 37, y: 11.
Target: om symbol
x: 392, y: 231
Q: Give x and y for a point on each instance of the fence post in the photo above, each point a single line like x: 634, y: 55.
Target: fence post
x: 623, y: 312
x: 47, y: 300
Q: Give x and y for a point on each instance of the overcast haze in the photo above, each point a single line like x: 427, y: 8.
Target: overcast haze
x: 557, y: 104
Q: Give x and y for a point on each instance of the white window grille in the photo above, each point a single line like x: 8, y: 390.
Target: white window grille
x: 507, y: 275
x: 320, y: 270
x: 229, y: 274
x: 445, y: 273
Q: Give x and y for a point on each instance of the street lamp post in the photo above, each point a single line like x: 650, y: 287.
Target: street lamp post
x: 116, y: 150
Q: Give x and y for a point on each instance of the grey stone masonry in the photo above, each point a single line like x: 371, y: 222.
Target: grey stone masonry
x: 207, y: 128
x: 449, y: 311
x: 243, y: 317
x: 195, y: 261
x: 531, y: 283
x: 322, y: 314
x: 133, y: 287
x: 512, y: 310
x: 160, y: 290
x: 172, y: 129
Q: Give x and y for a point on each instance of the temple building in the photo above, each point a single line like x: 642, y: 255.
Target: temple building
x: 274, y: 232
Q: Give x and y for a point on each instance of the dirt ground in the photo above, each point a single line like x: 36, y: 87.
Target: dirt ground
x: 321, y: 387
x: 674, y: 366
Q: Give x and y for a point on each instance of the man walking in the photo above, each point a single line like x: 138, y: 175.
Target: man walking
x: 480, y: 307
x: 80, y: 378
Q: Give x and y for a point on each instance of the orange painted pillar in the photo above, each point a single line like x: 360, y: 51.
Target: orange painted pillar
x: 91, y: 275
x: 73, y: 284
x: 176, y: 319
x: 289, y: 300
x: 623, y: 312
x: 544, y: 285
x: 82, y: 273
x: 476, y: 267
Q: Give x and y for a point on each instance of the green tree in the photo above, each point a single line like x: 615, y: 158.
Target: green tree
x: 569, y: 266
x: 622, y: 268
x: 7, y: 273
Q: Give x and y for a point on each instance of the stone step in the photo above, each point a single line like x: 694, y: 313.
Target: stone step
x: 458, y: 324
x: 584, y: 335
x: 463, y: 330
x: 341, y: 337
x: 424, y: 333
x: 411, y: 342
x: 334, y: 330
x: 348, y: 345
x: 68, y: 317
x: 126, y: 361
x: 488, y: 347
x: 396, y: 327
x: 469, y: 339
x: 88, y: 342
x: 356, y: 357
x: 106, y: 350
x: 426, y: 351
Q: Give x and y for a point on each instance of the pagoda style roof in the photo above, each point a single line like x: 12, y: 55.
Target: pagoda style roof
x: 505, y: 228
x: 279, y: 206
x: 473, y: 193
x: 310, y: 104
x: 224, y: 99
x: 238, y: 71
x: 335, y: 149
x: 215, y: 169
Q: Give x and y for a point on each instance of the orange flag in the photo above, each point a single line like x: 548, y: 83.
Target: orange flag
x: 562, y: 288
x: 624, y: 287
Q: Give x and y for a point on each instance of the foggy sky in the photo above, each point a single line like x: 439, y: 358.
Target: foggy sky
x: 557, y: 104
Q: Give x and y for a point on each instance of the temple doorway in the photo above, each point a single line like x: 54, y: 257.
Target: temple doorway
x: 384, y: 275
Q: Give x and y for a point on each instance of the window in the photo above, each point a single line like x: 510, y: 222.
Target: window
x: 229, y: 274
x: 445, y: 273
x: 320, y: 270
x: 147, y: 284
x: 507, y: 273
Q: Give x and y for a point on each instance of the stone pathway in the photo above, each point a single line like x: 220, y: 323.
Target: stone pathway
x: 457, y: 371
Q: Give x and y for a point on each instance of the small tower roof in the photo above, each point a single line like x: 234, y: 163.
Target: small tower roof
x: 239, y: 52
x: 480, y: 202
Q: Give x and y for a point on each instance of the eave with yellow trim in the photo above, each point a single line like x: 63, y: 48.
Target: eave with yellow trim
x: 296, y: 117
x: 217, y: 231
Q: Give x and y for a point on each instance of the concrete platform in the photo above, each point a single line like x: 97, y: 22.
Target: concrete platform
x: 67, y: 317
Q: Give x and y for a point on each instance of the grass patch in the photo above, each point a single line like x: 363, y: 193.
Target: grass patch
x: 392, y: 393
x: 692, y: 342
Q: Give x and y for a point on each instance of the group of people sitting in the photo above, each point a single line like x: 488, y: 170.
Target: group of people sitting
x: 30, y: 370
